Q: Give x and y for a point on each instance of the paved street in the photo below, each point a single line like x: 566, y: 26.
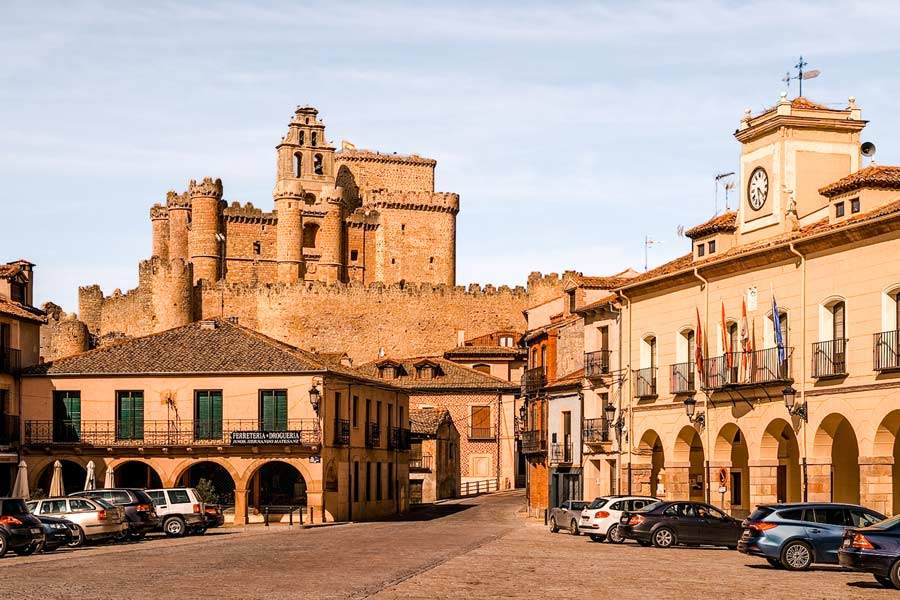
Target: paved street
x: 467, y: 549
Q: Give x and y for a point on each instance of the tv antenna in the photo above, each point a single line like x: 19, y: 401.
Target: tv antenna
x: 647, y: 243
x: 725, y: 179
x: 801, y: 74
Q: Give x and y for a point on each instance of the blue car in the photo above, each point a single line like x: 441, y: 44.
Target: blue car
x: 794, y: 536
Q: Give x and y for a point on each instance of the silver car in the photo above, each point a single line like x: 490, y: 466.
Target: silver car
x: 95, y: 519
x: 566, y: 516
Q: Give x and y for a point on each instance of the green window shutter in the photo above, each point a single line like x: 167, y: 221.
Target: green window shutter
x: 124, y: 417
x: 215, y: 414
x: 267, y: 410
x: 202, y: 412
x: 67, y: 416
x: 137, y: 408
x: 281, y: 410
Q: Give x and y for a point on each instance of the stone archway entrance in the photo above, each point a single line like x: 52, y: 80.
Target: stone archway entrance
x: 689, y: 480
x: 73, y: 476
x: 734, y: 457
x: 217, y: 480
x: 779, y: 467
x: 136, y: 474
x: 648, y: 470
x: 884, y: 462
x: 277, y: 483
x: 835, y: 476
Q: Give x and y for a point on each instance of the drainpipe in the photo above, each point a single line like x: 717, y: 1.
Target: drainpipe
x: 630, y: 411
x: 803, y: 423
x: 705, y: 285
x: 350, y: 481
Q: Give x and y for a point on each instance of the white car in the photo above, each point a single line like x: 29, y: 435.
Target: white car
x: 600, y: 519
x: 180, y: 510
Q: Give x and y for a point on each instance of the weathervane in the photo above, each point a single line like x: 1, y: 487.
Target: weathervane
x: 801, y: 74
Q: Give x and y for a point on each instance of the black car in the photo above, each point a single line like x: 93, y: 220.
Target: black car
x: 874, y: 549
x: 215, y: 517
x: 666, y: 524
x: 20, y: 531
x: 57, y: 532
x: 139, y: 511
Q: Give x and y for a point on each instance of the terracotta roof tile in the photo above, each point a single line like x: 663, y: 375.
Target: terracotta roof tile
x: 427, y: 421
x: 568, y: 380
x: 724, y: 222
x: 20, y: 311
x: 598, y: 303
x: 451, y: 376
x: 492, y: 351
x: 805, y: 103
x: 875, y: 176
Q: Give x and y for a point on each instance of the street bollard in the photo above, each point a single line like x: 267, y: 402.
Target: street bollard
x: 300, y: 512
x: 266, y: 517
x: 290, y: 517
x: 311, y: 515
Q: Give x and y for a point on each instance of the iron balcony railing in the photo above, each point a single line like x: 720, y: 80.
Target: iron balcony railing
x: 9, y: 430
x: 561, y: 452
x: 534, y: 442
x: 10, y: 360
x: 108, y: 434
x: 400, y: 439
x: 533, y: 380
x: 373, y: 435
x: 595, y: 431
x: 886, y: 351
x: 829, y: 359
x: 482, y: 433
x: 341, y: 432
x: 420, y: 463
x: 596, y: 363
x: 645, y: 383
x: 681, y: 378
x: 760, y: 367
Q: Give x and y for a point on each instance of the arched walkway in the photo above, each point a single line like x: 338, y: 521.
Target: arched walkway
x: 687, y: 475
x: 886, y: 445
x: 779, y: 467
x: 73, y: 475
x: 648, y: 469
x: 834, y: 475
x: 135, y: 473
x: 278, y: 483
x: 219, y: 480
x: 733, y: 455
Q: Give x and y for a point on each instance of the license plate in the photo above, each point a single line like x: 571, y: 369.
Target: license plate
x: 36, y: 530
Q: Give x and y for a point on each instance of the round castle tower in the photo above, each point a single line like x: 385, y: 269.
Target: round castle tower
x: 159, y: 219
x: 179, y: 211
x: 206, y: 228
x: 71, y: 337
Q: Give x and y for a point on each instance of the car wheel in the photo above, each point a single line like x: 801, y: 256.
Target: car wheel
x: 79, y: 539
x: 796, y: 556
x: 774, y: 562
x: 553, y: 526
x: 614, y: 536
x: 27, y: 550
x: 885, y: 581
x: 174, y: 527
x: 573, y: 528
x: 895, y: 574
x: 4, y: 544
x: 664, y: 538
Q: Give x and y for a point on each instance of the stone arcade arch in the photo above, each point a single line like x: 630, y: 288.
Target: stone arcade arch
x: 687, y: 472
x: 221, y: 475
x: 732, y: 454
x: 875, y: 494
x: 779, y: 465
x: 834, y: 474
x: 74, y: 473
x: 136, y: 473
x: 276, y: 483
x: 648, y: 467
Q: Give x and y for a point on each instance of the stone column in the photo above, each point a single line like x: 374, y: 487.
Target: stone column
x: 763, y: 482
x: 715, y: 497
x: 240, y: 506
x: 289, y: 230
x: 876, y: 483
x: 206, y: 224
x: 818, y: 474
x: 678, y: 481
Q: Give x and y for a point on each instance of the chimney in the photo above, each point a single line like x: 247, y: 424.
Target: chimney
x: 460, y: 338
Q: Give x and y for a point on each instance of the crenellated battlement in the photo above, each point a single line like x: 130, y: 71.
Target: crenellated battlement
x: 206, y: 188
x: 413, y: 200
x: 354, y: 155
x: 247, y: 213
x: 159, y: 212
x: 176, y: 200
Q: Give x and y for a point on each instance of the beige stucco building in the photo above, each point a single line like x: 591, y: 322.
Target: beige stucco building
x: 819, y: 236
x: 272, y: 425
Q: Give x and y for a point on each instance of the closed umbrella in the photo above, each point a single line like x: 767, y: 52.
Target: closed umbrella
x: 20, y: 487
x: 109, y: 481
x: 56, y: 484
x: 90, y: 481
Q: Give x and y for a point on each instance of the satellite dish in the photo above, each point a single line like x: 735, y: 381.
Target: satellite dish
x: 867, y: 149
x: 811, y: 74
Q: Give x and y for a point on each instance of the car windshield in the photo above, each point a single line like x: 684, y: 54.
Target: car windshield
x: 14, y: 507
x: 598, y: 503
x: 887, y: 523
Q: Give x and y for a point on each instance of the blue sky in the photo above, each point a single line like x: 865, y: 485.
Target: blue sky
x: 570, y: 130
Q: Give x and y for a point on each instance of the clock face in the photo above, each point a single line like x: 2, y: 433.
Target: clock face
x: 758, y: 188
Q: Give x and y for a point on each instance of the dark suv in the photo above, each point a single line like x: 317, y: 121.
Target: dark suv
x: 138, y: 506
x: 20, y: 531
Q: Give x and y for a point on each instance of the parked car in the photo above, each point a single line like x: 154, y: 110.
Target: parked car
x: 215, y: 516
x: 180, y: 511
x: 94, y: 519
x: 566, y: 515
x: 666, y: 524
x: 20, y: 531
x: 795, y: 536
x: 600, y: 519
x: 139, y: 512
x: 57, y: 532
x: 874, y: 549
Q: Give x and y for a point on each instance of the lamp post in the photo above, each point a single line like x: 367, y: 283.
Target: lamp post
x: 790, y: 402
x: 618, y: 424
x: 523, y: 416
x: 315, y: 396
x: 690, y: 408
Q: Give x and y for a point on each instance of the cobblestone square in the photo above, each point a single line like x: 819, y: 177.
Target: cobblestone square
x: 476, y: 548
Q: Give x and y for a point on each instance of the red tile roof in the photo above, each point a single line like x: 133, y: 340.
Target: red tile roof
x: 724, y: 222
x: 450, y: 376
x: 20, y: 311
x: 598, y: 303
x: 875, y: 176
x: 805, y: 103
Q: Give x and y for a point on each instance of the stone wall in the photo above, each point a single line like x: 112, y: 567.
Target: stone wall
x: 375, y: 170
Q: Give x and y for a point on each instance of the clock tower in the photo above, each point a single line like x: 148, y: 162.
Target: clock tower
x: 787, y: 153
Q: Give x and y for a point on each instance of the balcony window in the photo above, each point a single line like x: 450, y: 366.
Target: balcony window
x: 839, y: 210
x: 208, y: 414
x: 887, y: 342
x: 480, y: 419
x: 273, y: 410
x: 130, y: 415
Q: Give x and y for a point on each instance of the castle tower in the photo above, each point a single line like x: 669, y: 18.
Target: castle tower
x: 330, y: 267
x: 172, y: 298
x: 289, y: 231
x: 179, y: 209
x: 206, y: 227
x: 71, y: 337
x: 159, y: 219
x: 304, y: 154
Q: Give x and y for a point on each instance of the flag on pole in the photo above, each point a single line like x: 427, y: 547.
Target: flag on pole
x: 726, y: 349
x: 698, y: 350
x: 779, y: 339
x: 745, y: 342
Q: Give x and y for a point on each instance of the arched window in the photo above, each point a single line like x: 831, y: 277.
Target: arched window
x: 734, y: 338
x: 887, y: 341
x: 483, y: 368
x: 686, y: 344
x: 310, y: 232
x: 648, y: 352
x: 302, y: 137
x: 313, y: 138
x: 534, y: 357
x: 317, y: 164
x: 298, y: 165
